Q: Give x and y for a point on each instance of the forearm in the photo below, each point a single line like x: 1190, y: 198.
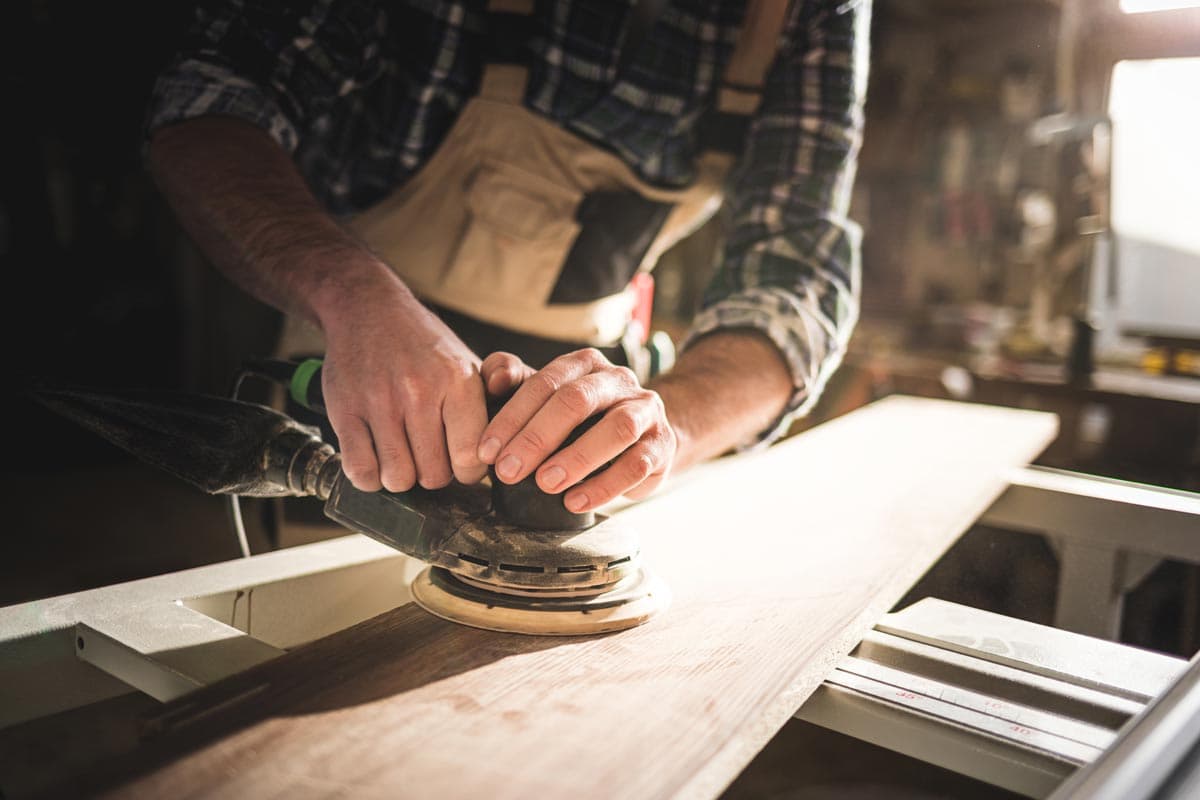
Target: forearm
x: 726, y: 389
x: 242, y: 200
x: 791, y: 265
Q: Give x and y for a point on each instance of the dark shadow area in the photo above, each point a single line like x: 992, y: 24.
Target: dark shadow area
x: 1000, y: 571
x: 36, y: 756
x: 1016, y: 574
x: 807, y: 762
x: 1163, y: 613
x: 103, y: 290
x: 388, y: 655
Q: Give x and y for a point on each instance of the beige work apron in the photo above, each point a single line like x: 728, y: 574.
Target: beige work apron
x: 484, y: 227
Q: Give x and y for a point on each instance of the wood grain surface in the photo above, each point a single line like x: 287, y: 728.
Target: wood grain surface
x: 779, y: 562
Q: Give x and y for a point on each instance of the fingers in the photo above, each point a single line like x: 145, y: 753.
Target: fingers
x: 634, y: 435
x: 405, y: 395
x: 358, y: 451
x: 410, y: 436
x: 568, y: 408
x: 548, y: 406
x: 501, y: 373
x: 397, y: 471
x: 618, y: 430
x: 636, y: 472
x: 465, y: 416
x: 427, y: 437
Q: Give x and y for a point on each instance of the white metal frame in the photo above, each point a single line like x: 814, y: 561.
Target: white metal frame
x: 1012, y: 703
x: 169, y: 634
x: 1108, y: 535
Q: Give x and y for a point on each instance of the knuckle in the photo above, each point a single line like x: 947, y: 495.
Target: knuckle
x: 531, y: 441
x: 666, y: 441
x: 578, y: 399
x: 627, y: 376
x: 545, y: 383
x: 469, y: 475
x: 591, y: 355
x: 343, y: 419
x: 515, y: 375
x: 588, y: 358
x: 498, y: 360
x: 359, y: 469
x: 653, y: 403
x: 465, y: 458
x: 462, y: 373
x: 397, y: 482
x: 392, y: 455
x: 626, y: 424
x: 435, y: 477
x: 463, y: 451
x: 435, y: 481
x: 414, y: 391
x: 578, y: 462
x: 600, y: 493
x: 640, y: 468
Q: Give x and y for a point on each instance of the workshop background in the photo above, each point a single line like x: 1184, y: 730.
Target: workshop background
x: 1028, y: 189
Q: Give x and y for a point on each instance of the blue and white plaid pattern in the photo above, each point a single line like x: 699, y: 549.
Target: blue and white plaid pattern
x: 361, y: 93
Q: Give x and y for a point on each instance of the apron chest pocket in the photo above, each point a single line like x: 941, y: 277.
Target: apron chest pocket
x: 519, y: 228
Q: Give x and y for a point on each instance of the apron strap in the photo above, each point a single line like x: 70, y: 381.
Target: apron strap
x: 755, y: 50
x: 725, y: 125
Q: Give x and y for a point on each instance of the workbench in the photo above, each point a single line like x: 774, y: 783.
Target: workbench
x: 308, y: 672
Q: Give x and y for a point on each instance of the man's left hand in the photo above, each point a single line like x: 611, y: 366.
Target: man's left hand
x: 633, y: 433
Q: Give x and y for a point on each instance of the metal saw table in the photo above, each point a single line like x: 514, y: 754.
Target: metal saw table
x: 1012, y: 703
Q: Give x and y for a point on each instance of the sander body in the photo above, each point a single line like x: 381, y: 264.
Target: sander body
x: 502, y: 557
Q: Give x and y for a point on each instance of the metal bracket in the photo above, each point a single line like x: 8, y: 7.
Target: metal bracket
x: 1108, y: 534
x: 170, y: 652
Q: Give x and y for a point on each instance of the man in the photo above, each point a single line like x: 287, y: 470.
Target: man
x: 276, y: 125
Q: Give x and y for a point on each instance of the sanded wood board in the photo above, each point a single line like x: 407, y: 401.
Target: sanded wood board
x: 779, y: 563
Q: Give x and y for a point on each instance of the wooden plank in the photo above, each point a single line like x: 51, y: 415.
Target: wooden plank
x: 779, y: 562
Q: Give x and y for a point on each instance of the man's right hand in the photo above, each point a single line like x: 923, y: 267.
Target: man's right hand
x: 402, y: 392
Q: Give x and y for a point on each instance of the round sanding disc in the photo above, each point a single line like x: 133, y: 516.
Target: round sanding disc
x: 628, y: 603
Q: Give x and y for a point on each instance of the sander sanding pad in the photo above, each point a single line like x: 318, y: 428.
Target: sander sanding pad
x: 625, y: 604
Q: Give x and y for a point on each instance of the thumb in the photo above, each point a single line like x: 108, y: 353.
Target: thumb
x: 503, y: 372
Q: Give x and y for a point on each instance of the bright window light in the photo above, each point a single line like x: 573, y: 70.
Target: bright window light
x: 1142, y: 6
x: 1156, y: 194
x: 1156, y: 164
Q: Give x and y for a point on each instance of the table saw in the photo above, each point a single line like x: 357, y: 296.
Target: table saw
x: 309, y: 670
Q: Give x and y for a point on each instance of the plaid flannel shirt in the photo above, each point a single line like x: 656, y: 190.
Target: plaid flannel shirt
x: 361, y: 93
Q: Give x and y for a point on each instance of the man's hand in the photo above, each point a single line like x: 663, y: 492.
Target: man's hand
x: 403, y: 394
x: 633, y: 431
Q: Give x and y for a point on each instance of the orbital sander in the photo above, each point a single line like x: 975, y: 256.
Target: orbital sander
x: 502, y: 557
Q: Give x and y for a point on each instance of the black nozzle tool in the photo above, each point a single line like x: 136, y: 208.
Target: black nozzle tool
x: 218, y: 445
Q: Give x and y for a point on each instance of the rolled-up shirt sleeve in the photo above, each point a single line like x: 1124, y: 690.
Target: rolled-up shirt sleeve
x: 790, y: 267
x: 196, y: 86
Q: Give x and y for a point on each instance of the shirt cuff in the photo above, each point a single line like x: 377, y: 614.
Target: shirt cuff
x: 811, y: 351
x: 194, y: 88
